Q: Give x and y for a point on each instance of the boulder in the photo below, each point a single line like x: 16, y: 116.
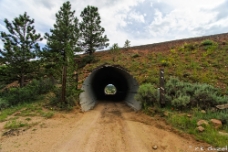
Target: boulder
x: 203, y: 111
x: 223, y: 133
x: 213, y: 109
x: 189, y: 116
x: 216, y: 123
x: 166, y: 114
x: 202, y: 122
x: 200, y: 128
x: 155, y: 147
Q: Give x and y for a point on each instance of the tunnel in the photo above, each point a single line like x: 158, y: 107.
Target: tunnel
x: 94, y: 85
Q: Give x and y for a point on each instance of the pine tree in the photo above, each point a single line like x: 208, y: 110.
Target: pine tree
x: 20, y: 46
x: 114, y: 50
x: 1, y: 61
x: 115, y: 47
x: 61, y: 45
x: 127, y: 44
x: 92, y: 32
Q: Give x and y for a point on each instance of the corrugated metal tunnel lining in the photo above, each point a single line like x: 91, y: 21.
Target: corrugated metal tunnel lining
x: 94, y: 84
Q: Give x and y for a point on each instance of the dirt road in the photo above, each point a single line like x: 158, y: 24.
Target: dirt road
x: 110, y: 127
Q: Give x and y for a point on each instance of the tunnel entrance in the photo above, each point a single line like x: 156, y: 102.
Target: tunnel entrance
x: 103, y: 76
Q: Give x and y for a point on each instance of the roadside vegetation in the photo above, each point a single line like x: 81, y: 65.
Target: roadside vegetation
x: 188, y: 104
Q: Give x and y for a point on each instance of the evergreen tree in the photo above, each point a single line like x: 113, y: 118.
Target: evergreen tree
x: 127, y: 44
x: 61, y: 45
x: 20, y: 46
x: 1, y: 61
x: 114, y: 50
x: 115, y: 47
x: 92, y: 33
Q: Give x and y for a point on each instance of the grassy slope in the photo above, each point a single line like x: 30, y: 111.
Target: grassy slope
x: 190, y: 62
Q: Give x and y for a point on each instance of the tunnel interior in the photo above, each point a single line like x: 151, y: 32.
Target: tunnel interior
x: 110, y: 75
x: 94, y: 85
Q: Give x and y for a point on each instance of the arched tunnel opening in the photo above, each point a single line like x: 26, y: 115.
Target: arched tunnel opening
x: 94, y: 87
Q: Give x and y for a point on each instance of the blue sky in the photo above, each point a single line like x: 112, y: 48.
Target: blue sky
x: 140, y: 21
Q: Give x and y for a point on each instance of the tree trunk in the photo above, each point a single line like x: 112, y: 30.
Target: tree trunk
x: 76, y: 79
x: 63, y: 96
x: 52, y: 80
x: 22, y: 80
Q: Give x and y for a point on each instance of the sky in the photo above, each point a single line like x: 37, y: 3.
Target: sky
x: 140, y: 21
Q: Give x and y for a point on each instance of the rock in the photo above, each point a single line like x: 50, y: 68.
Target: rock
x: 203, y: 111
x: 166, y: 113
x: 213, y: 109
x: 200, y: 129
x: 155, y: 147
x: 202, y: 122
x: 216, y: 123
x: 17, y: 114
x: 223, y: 133
x: 189, y: 116
x: 224, y: 106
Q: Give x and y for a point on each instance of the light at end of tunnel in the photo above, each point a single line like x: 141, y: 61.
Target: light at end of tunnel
x: 110, y: 89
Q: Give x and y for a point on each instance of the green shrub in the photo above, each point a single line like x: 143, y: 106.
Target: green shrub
x: 135, y: 56
x: 3, y: 104
x: 172, y: 86
x: 41, y: 86
x: 147, y: 95
x: 182, y: 94
x: 165, y: 63
x: 207, y: 42
x: 210, y: 46
x: 223, y: 116
x: 181, y: 102
x: 29, y: 93
x: 87, y: 60
x: 18, y: 95
x: 173, y: 51
x: 72, y: 97
x: 189, y: 47
x: 206, y: 96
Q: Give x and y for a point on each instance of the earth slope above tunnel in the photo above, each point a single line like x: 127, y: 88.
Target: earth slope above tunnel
x: 94, y: 84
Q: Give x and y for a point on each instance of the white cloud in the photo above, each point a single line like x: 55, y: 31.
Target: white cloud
x: 194, y: 4
x: 181, y: 22
x: 182, y: 19
x: 114, y: 17
x: 137, y: 17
